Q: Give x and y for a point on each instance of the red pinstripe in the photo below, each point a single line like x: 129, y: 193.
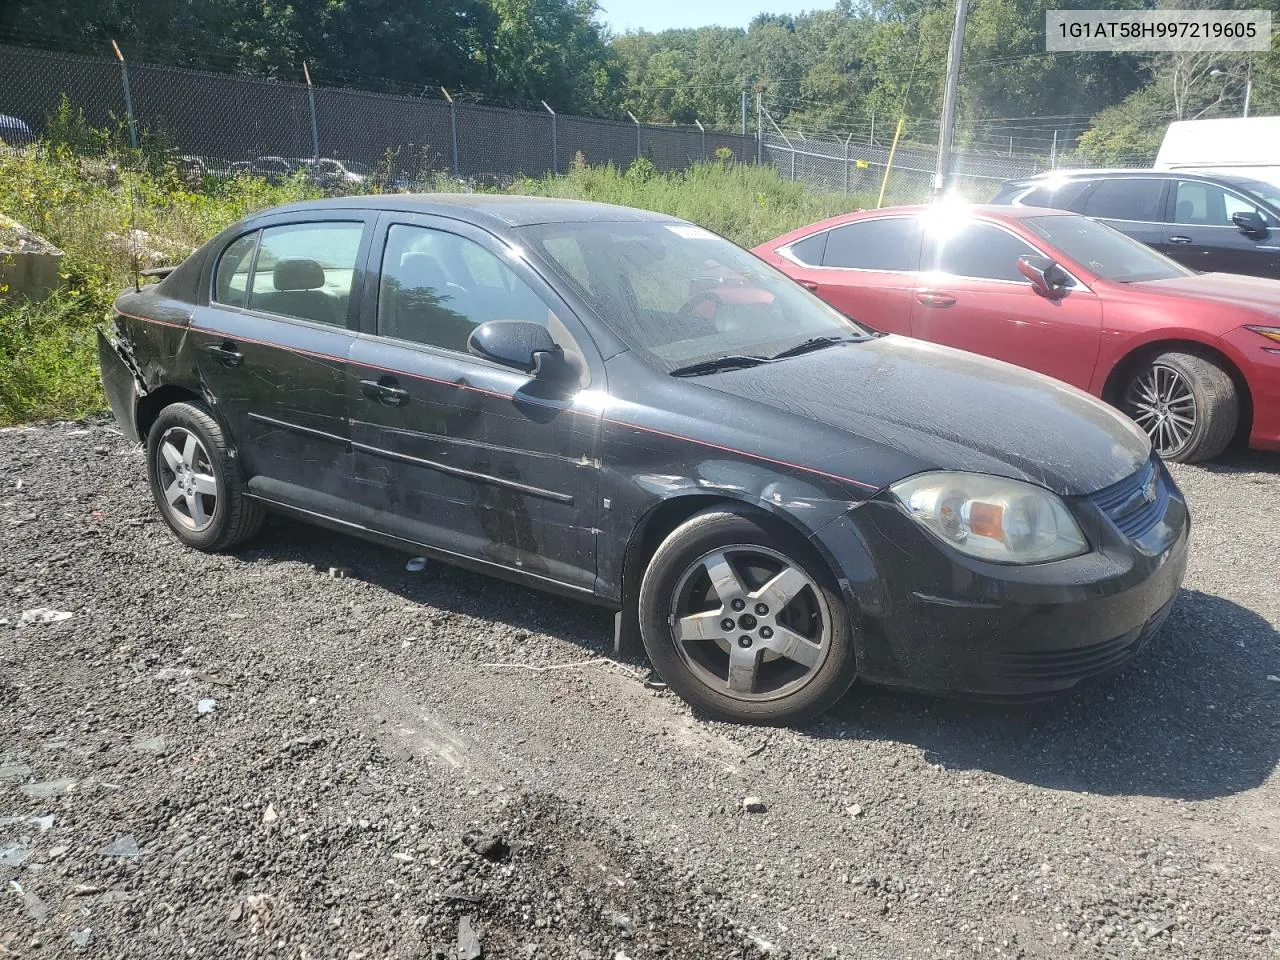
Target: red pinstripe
x: 506, y: 396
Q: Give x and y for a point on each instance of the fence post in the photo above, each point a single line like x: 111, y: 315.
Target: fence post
x: 790, y: 146
x: 128, y: 96
x: 311, y: 99
x: 555, y: 156
x: 453, y: 131
x: 759, y: 128
x: 702, y: 131
x: 744, y: 113
x: 1053, y: 152
x: 846, y: 160
x: 873, y: 128
x: 637, y: 123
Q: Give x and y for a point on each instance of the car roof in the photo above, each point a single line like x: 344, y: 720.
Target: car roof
x: 492, y: 208
x: 985, y: 211
x: 1140, y: 173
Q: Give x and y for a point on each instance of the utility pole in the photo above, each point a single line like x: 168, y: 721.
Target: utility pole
x: 946, y: 132
x: 759, y: 128
x: 744, y: 113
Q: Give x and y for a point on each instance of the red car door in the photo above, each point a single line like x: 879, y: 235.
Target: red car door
x: 865, y: 269
x: 975, y: 299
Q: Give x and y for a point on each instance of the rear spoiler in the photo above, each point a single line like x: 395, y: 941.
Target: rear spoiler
x: 160, y: 272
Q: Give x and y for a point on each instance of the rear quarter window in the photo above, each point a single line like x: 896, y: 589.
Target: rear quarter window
x: 1059, y: 196
x: 232, y: 284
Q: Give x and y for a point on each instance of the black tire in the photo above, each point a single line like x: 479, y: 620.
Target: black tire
x: 729, y: 526
x: 1217, y: 405
x: 234, y: 517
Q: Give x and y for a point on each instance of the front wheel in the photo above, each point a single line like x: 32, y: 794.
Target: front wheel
x: 1187, y: 404
x: 741, y: 618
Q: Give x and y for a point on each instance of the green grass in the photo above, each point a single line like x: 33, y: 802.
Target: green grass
x: 48, y: 362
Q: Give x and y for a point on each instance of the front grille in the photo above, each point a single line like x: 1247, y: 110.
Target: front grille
x: 1127, y: 503
x: 1076, y: 663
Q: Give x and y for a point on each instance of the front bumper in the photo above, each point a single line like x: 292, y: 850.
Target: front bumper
x: 934, y: 620
x: 1261, y: 370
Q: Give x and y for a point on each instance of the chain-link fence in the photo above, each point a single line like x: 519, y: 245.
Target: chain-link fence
x: 222, y: 124
x: 859, y: 168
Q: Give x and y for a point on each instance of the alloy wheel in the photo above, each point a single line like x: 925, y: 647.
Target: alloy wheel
x: 1161, y: 402
x: 187, y: 483
x: 750, y: 623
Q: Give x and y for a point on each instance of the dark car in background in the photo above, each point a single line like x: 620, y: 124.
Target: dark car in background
x: 625, y: 408
x: 1210, y: 222
x: 14, y: 131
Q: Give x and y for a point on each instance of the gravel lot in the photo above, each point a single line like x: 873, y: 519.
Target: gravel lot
x: 380, y: 774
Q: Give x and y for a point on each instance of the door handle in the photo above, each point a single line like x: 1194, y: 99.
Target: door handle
x: 226, y: 353
x: 931, y: 299
x: 1179, y: 238
x: 385, y: 392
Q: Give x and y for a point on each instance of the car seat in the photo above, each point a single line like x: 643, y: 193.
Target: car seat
x: 298, y: 292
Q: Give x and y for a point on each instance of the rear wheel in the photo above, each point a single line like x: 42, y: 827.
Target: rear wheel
x: 741, y: 618
x: 1187, y: 404
x: 196, y: 482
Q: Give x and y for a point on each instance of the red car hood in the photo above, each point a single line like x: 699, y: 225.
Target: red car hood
x: 1230, y: 289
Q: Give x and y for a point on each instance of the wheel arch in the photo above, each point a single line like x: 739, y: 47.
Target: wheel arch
x: 150, y: 405
x: 1113, y: 386
x: 654, y: 526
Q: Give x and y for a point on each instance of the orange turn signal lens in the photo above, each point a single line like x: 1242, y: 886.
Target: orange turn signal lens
x: 986, y: 520
x: 1271, y: 333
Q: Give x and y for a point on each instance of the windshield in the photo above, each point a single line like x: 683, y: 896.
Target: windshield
x: 1107, y: 252
x: 680, y: 295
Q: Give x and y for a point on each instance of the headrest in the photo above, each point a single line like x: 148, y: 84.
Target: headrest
x: 421, y: 270
x: 298, y: 274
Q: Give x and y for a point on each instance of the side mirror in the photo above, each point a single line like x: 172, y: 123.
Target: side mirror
x: 1046, y: 276
x: 1251, y: 224
x: 521, y: 344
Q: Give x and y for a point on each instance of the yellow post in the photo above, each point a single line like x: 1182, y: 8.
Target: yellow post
x: 884, y: 184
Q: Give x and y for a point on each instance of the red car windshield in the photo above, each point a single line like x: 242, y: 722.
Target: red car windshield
x: 679, y: 294
x: 1107, y: 252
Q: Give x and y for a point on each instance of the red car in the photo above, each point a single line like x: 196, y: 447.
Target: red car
x: 1194, y: 358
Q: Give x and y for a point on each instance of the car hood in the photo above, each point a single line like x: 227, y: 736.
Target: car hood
x: 945, y: 409
x: 1233, y: 290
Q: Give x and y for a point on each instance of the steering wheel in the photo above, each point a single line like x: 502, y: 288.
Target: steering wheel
x: 688, y: 308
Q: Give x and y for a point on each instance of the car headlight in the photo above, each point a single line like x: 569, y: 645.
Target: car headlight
x: 992, y: 518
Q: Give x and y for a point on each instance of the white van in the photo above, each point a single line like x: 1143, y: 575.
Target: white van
x: 1243, y: 146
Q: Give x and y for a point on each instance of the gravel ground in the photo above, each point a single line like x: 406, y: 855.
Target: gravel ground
x: 241, y: 755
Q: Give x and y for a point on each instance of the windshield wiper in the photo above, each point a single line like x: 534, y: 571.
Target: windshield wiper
x: 733, y: 361
x: 813, y: 343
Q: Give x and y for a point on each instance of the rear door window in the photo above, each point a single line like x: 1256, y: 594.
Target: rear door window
x: 888, y: 244
x: 1126, y: 198
x: 305, y: 270
x: 1059, y: 196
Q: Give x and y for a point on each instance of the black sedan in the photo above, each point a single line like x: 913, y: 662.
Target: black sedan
x: 625, y: 408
